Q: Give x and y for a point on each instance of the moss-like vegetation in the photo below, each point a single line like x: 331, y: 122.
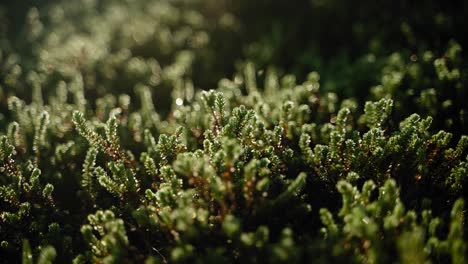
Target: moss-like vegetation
x: 190, y: 131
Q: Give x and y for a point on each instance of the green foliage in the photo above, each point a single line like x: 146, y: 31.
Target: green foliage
x: 110, y: 152
x: 105, y: 236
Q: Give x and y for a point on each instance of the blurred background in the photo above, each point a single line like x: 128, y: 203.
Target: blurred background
x: 362, y: 49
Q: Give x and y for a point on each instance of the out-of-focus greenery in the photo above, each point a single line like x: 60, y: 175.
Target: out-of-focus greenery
x: 110, y: 45
x: 185, y: 131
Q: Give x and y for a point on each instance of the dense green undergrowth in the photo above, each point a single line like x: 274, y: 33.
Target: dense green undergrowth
x: 122, y: 142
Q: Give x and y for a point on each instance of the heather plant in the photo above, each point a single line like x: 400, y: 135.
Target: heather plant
x: 112, y: 151
x: 225, y: 166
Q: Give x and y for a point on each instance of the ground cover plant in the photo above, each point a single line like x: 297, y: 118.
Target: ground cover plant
x: 187, y: 131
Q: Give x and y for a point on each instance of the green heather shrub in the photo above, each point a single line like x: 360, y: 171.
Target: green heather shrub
x: 116, y: 148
